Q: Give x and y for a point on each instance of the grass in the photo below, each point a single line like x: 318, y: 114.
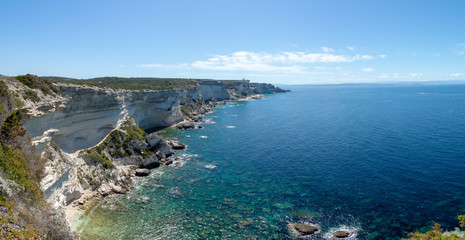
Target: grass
x: 130, y: 83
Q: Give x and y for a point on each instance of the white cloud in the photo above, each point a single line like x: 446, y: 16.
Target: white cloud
x: 120, y: 65
x: 382, y: 56
x: 384, y: 75
x: 457, y: 75
x: 327, y: 49
x: 262, y: 62
x: 351, y: 48
x: 368, y: 69
x: 396, y: 75
x: 415, y: 74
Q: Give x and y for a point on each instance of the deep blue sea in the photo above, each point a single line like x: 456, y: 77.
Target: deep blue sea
x: 379, y: 160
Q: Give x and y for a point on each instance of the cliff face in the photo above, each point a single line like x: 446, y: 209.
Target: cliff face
x: 97, y: 143
x: 90, y: 113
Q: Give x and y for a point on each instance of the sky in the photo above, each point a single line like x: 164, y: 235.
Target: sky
x: 285, y: 42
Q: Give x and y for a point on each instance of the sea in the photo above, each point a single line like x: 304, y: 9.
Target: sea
x: 379, y: 161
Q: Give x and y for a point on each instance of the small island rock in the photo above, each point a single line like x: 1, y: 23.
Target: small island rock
x: 304, y: 229
x: 341, y: 234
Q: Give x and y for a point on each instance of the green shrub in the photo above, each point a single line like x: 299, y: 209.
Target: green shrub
x: 13, y: 126
x: 100, y: 158
x: 130, y: 83
x: 18, y: 102
x: 36, y: 82
x: 437, y: 233
x: 29, y: 94
x: 133, y: 131
x: 3, y: 89
x: 9, y: 232
x: 13, y: 163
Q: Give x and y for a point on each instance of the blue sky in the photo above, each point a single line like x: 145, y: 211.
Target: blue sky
x: 289, y: 42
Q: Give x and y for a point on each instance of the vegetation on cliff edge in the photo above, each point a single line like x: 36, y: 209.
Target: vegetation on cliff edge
x: 437, y: 233
x: 130, y: 83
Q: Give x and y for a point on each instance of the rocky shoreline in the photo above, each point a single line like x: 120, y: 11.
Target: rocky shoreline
x: 163, y: 156
x: 94, y: 140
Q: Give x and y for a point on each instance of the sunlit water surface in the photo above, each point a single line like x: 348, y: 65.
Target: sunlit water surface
x: 381, y: 161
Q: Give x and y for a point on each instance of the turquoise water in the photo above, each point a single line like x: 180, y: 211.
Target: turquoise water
x: 381, y: 161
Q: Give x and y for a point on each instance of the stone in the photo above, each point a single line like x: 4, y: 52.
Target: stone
x: 185, y: 126
x: 341, y: 234
x: 165, y: 149
x: 154, y: 140
x: 177, y: 146
x: 73, y: 196
x: 304, y: 229
x: 142, y: 172
x: 168, y: 162
x: 116, y: 188
x: 150, y: 163
x: 160, y: 155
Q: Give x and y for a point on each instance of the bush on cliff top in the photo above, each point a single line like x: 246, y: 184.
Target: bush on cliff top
x: 13, y: 126
x: 130, y: 83
x: 33, y: 81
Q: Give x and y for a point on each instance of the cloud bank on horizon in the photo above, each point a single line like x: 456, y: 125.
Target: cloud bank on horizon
x: 303, y: 42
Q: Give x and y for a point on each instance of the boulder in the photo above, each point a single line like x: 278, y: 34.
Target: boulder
x: 116, y: 188
x: 154, y: 140
x: 304, y: 229
x: 165, y: 149
x: 185, y: 126
x: 142, y: 172
x: 341, y: 234
x: 74, y: 195
x: 158, y: 144
x: 150, y: 163
x: 160, y: 155
x: 177, y: 146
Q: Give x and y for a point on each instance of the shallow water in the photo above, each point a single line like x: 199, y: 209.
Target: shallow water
x: 381, y: 161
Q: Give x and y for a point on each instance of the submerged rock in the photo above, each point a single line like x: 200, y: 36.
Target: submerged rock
x: 341, y: 234
x: 142, y: 172
x: 304, y: 229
